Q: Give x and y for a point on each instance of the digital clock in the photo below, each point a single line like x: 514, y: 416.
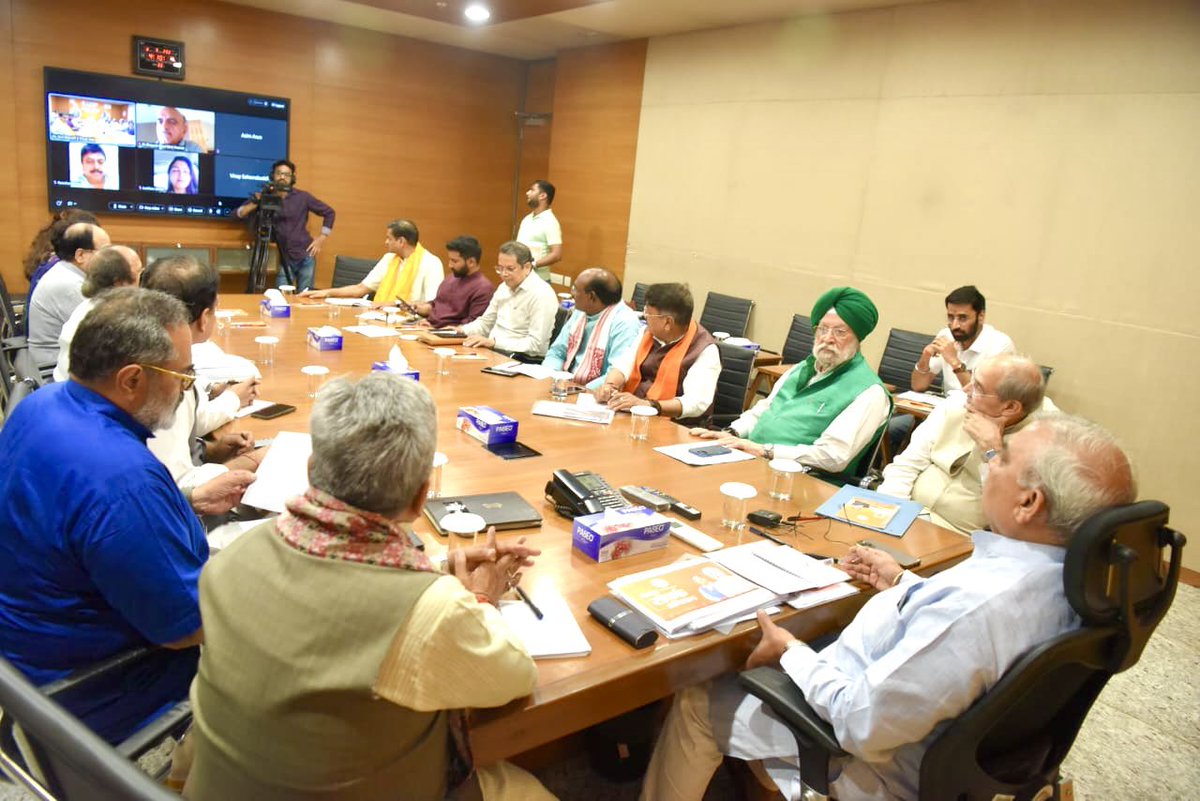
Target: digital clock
x: 161, y: 58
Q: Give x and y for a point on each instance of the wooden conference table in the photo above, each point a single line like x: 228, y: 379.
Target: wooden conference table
x: 572, y: 694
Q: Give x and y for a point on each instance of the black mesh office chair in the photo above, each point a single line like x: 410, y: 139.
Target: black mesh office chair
x: 638, y: 298
x: 1046, y: 373
x: 726, y: 313
x: 54, y: 755
x: 729, y: 401
x: 560, y: 319
x: 11, y: 323
x: 799, y: 342
x: 1013, y: 739
x: 349, y: 271
x: 901, y: 352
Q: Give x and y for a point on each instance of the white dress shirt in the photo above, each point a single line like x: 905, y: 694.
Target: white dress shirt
x: 425, y: 285
x: 195, y: 416
x: 62, y: 370
x: 519, y: 321
x: 699, y: 382
x: 846, y: 435
x: 990, y: 342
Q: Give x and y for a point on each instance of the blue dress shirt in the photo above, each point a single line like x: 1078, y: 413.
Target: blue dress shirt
x: 99, y: 552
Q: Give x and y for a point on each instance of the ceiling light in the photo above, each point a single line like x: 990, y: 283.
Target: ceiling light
x: 477, y: 13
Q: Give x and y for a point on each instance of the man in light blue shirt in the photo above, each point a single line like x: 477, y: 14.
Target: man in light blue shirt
x: 921, y: 651
x: 600, y: 329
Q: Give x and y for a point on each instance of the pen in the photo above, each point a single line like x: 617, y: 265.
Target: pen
x: 771, y: 537
x: 536, y: 612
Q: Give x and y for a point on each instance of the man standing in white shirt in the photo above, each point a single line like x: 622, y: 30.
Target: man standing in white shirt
x: 540, y: 231
x: 520, y: 317
x: 407, y: 272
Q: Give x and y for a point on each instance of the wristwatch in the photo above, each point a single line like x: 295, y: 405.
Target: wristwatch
x: 961, y: 368
x: 768, y: 452
x: 657, y: 406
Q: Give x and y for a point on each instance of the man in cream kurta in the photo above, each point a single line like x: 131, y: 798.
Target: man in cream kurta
x: 942, y: 467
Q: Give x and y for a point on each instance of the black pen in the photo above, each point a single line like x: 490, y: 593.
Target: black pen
x: 537, y: 612
x: 771, y: 537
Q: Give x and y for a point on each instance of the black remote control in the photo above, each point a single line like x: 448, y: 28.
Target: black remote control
x: 685, y: 511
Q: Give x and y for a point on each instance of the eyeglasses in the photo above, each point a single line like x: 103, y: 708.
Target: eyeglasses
x: 502, y: 270
x: 973, y: 388
x: 660, y: 314
x: 186, y: 380
x: 826, y: 331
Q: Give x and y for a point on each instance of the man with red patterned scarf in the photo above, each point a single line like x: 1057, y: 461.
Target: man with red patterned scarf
x: 674, y: 367
x: 599, y: 331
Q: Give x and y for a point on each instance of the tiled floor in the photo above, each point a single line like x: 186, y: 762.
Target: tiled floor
x: 1141, y: 740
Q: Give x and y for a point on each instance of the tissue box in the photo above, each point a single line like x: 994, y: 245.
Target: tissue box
x: 384, y: 367
x: 617, y: 533
x: 324, y: 341
x: 276, y: 311
x: 489, y: 426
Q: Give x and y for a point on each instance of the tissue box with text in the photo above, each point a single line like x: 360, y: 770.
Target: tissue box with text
x: 386, y: 367
x: 487, y: 425
x: 617, y: 533
x: 273, y: 310
x: 325, y: 338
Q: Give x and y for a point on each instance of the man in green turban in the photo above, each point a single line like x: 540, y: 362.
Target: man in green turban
x: 828, y: 411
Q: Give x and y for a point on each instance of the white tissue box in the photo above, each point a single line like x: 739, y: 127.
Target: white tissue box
x: 384, y: 367
x: 489, y: 426
x: 322, y: 339
x: 276, y: 311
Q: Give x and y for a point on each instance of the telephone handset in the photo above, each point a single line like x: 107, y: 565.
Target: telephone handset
x: 584, y: 493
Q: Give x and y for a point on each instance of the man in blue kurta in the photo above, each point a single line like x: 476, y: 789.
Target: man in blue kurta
x: 828, y: 411
x: 99, y: 551
x: 601, y: 328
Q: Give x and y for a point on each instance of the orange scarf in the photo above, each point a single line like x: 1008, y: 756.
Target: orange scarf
x: 666, y: 382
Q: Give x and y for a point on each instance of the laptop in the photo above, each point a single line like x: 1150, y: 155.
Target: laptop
x: 504, y: 510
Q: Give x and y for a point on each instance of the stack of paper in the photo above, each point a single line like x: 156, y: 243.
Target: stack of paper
x: 922, y: 398
x: 557, y: 634
x: 283, y: 473
x: 780, y: 568
x: 690, y: 596
x: 574, y: 411
x: 682, y: 452
x: 372, y: 331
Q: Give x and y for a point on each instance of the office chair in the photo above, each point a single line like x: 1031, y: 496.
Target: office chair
x: 797, y: 347
x: 638, y: 298
x: 55, y: 756
x: 726, y: 313
x: 560, y: 319
x: 901, y: 352
x: 1046, y: 373
x: 730, y: 396
x: 348, y: 271
x: 1011, y: 742
x: 11, y: 323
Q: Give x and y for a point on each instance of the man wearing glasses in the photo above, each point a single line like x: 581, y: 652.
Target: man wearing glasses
x: 520, y: 317
x: 297, y: 248
x: 943, y: 466
x: 99, y: 550
x: 61, y: 289
x: 828, y: 411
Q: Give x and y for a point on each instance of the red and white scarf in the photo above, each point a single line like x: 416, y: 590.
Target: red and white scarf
x: 592, y: 362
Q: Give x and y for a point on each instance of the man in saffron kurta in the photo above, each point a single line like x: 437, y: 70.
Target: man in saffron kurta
x: 407, y: 273
x: 674, y: 367
x: 599, y: 331
x: 827, y: 411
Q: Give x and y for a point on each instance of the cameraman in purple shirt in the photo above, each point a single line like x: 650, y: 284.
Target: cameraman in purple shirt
x: 297, y: 249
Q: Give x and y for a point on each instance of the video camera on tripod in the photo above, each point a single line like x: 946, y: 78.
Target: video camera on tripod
x: 270, y: 199
x: 270, y: 203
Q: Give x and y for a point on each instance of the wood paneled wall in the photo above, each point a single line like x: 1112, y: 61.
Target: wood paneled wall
x: 597, y: 108
x: 382, y: 126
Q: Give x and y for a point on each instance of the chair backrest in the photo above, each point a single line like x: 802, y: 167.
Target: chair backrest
x: 799, y: 343
x: 26, y: 369
x: 10, y: 324
x: 726, y: 313
x: 60, y: 757
x: 1013, y: 739
x: 638, y: 298
x: 560, y: 319
x: 901, y: 352
x: 736, y: 366
x: 348, y: 271
x: 1046, y: 373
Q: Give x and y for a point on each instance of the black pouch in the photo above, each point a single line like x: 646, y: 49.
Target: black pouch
x: 629, y: 625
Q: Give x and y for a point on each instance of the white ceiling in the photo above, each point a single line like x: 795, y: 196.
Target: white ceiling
x: 543, y: 36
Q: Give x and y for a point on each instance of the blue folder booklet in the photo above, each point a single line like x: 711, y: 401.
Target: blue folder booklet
x: 870, y: 509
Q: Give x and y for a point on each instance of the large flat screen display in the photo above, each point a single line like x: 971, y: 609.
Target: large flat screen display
x: 129, y: 146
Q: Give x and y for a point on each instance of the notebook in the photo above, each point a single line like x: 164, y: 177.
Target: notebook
x: 557, y: 634
x: 504, y: 510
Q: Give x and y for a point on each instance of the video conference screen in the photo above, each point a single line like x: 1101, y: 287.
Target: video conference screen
x: 132, y: 146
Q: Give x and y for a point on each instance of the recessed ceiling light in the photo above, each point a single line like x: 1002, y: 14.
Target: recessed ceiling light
x: 477, y: 13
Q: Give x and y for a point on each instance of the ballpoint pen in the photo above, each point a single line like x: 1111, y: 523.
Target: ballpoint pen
x: 536, y: 612
x: 770, y: 537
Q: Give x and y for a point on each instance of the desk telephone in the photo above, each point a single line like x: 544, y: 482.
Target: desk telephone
x: 584, y: 493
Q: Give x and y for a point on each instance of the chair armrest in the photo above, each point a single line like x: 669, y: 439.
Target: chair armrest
x: 781, y: 694
x: 85, y: 676
x: 172, y: 723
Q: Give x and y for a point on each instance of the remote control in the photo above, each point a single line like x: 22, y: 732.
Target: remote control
x: 904, y: 560
x: 646, y: 497
x: 695, y: 537
x: 683, y: 510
